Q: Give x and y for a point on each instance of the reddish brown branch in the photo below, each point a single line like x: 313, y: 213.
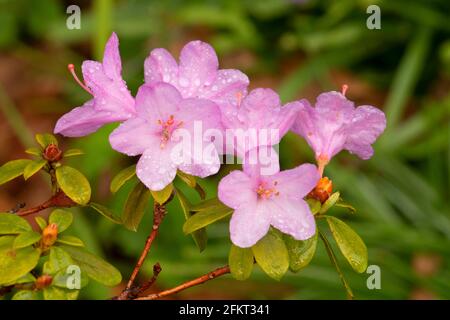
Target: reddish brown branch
x: 58, y: 200
x: 209, y: 276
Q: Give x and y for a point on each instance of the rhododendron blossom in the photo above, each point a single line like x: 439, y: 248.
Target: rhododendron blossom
x: 261, y: 201
x: 197, y: 74
x: 335, y: 124
x: 163, y: 123
x: 111, y: 100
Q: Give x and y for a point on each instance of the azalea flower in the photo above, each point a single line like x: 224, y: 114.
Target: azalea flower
x: 261, y: 201
x: 335, y: 124
x: 197, y: 74
x: 111, y: 100
x: 164, y: 133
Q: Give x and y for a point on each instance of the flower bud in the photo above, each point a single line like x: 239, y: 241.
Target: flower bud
x: 49, y: 235
x: 52, y: 153
x: 322, y: 191
x: 43, y: 281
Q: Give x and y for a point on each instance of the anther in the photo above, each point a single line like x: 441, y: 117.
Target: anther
x: 344, y: 89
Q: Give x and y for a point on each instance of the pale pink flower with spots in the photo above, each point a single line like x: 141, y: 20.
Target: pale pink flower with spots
x: 335, y: 124
x: 263, y: 201
x: 163, y: 118
x: 111, y: 100
x: 197, y: 74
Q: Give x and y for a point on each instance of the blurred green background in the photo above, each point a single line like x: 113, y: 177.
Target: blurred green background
x: 299, y: 48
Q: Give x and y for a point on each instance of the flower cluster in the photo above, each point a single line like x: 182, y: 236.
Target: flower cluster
x: 190, y: 112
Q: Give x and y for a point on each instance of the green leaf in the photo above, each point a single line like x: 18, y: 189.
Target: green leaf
x: 210, y: 204
x: 44, y: 139
x: 314, y: 205
x: 188, y: 179
x: 62, y: 218
x: 24, y: 279
x: 71, y: 241
x: 55, y: 293
x: 104, y: 211
x: 95, y: 267
x: 300, y: 252
x: 74, y: 184
x: 12, y: 169
x: 271, y: 255
x: 123, y: 176
x: 26, y: 239
x: 163, y: 195
x: 329, y: 203
x: 58, y: 260
x: 350, y: 244
x: 17, y: 263
x: 34, y: 151
x: 135, y: 206
x: 203, y: 218
x: 12, y: 224
x: 200, y: 237
x: 33, y: 167
x: 26, y: 295
x: 240, y: 261
x: 345, y: 205
x: 41, y: 222
x: 73, y: 152
x: 61, y: 277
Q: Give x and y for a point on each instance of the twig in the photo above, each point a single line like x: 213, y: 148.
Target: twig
x: 159, y: 211
x: 58, y: 200
x: 141, y: 289
x: 333, y: 259
x: 209, y: 276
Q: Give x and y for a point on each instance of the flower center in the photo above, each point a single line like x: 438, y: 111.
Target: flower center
x: 266, y: 191
x: 167, y: 128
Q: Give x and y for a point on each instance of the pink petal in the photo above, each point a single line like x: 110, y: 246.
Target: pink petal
x: 367, y: 124
x: 334, y: 108
x: 155, y: 168
x: 201, y: 111
x: 284, y: 119
x: 291, y: 216
x: 84, y: 120
x: 249, y: 223
x: 112, y: 64
x: 261, y: 161
x: 133, y: 137
x: 157, y: 102
x: 198, y: 66
x: 161, y: 66
x: 227, y: 189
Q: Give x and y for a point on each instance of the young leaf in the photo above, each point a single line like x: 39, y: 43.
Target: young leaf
x: 58, y: 260
x: 329, y: 203
x: 123, y: 176
x: 70, y: 241
x: 95, y: 267
x: 135, y: 206
x: 55, y: 293
x: 314, y: 205
x: 104, y: 211
x: 350, y: 244
x: 61, y: 278
x: 74, y: 184
x: 240, y: 261
x: 73, y: 152
x: 271, y: 255
x: 162, y: 196
x: 34, y: 151
x: 200, y: 237
x: 12, y: 224
x: 12, y: 169
x: 345, y: 205
x: 44, y: 139
x: 203, y: 218
x: 41, y: 222
x: 26, y: 239
x: 26, y: 295
x: 33, y: 167
x: 188, y: 179
x: 24, y: 279
x: 62, y: 218
x: 300, y: 252
x: 17, y: 263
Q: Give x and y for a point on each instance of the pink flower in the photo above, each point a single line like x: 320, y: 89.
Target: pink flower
x: 335, y: 124
x: 197, y: 74
x: 261, y: 201
x: 111, y: 101
x: 167, y: 132
x: 259, y: 120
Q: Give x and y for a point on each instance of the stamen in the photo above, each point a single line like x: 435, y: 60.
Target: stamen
x: 239, y: 98
x: 71, y: 68
x: 267, y: 193
x: 344, y: 89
